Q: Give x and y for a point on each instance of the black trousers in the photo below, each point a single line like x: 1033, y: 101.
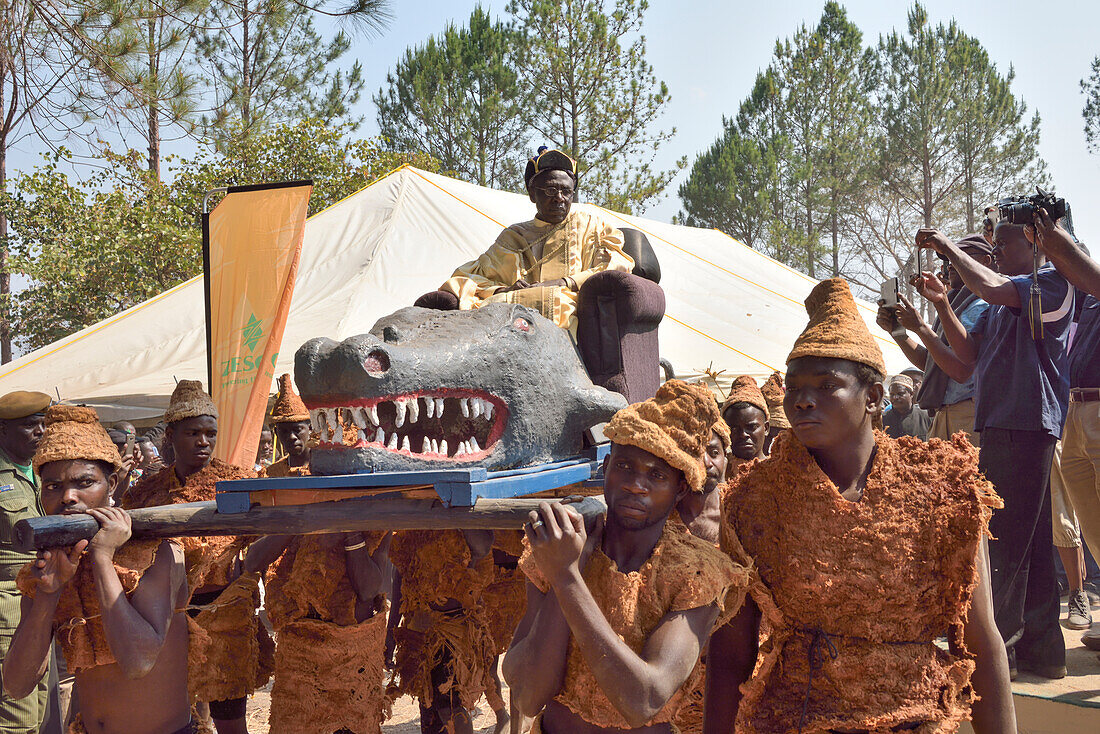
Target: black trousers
x: 1025, y: 591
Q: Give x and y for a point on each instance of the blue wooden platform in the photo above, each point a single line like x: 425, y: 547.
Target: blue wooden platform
x: 455, y: 487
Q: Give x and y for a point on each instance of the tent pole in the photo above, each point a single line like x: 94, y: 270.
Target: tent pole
x: 206, y: 285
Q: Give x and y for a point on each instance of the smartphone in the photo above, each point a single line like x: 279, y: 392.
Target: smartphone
x: 889, y: 293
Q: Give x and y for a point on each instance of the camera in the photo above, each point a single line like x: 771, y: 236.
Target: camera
x: 1021, y: 209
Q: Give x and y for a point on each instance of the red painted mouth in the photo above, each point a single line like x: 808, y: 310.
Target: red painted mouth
x: 457, y: 425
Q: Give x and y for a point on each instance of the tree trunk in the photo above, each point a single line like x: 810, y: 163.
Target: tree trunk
x: 246, y: 72
x: 152, y: 108
x: 5, y: 276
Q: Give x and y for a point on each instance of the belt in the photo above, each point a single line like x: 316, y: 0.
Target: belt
x: 1084, y: 394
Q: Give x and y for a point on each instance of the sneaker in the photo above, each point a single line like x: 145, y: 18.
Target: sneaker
x: 1079, y: 617
x: 1053, y: 672
x: 1091, y: 639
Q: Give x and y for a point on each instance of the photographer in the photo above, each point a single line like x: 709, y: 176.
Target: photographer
x: 1017, y: 349
x: 1081, y: 438
x: 945, y: 390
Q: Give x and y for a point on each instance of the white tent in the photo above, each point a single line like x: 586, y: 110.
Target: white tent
x: 729, y: 308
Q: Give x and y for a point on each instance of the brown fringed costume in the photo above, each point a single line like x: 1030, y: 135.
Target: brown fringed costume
x: 230, y: 651
x: 434, y: 567
x: 861, y: 586
x: 78, y: 621
x: 329, y: 667
x: 683, y: 573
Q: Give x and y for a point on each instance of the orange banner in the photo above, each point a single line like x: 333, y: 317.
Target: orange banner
x: 254, y: 244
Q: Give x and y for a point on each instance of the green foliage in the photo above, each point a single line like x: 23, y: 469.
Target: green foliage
x: 841, y: 151
x: 121, y: 236
x: 458, y: 98
x: 90, y: 251
x: 1091, y: 89
x: 269, y: 66
x: 597, y: 96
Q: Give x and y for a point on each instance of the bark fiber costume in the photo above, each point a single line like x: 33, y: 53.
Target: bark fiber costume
x: 234, y: 656
x: 855, y: 593
x: 683, y: 573
x: 435, y: 567
x: 329, y: 667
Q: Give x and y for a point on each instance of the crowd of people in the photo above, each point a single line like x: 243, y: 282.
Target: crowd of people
x: 768, y: 563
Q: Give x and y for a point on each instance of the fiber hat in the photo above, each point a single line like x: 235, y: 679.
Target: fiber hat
x: 905, y: 381
x: 549, y: 160
x: 674, y: 425
x: 724, y: 435
x: 773, y: 392
x: 189, y: 400
x: 74, y: 432
x: 836, y: 330
x: 288, y: 407
x: 745, y: 390
x: 22, y: 403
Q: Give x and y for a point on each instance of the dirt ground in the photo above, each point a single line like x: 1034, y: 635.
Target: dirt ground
x: 405, y: 719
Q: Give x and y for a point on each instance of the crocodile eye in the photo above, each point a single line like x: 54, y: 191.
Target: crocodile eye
x: 521, y: 324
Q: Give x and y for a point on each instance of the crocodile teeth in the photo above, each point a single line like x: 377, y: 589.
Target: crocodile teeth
x: 464, y: 406
x: 435, y: 446
x: 474, y: 448
x: 380, y: 437
x: 405, y: 444
x: 439, y: 407
x: 400, y: 406
x: 427, y: 446
x: 357, y: 418
x: 372, y: 414
x: 392, y: 445
x: 414, y: 410
x: 429, y: 407
x: 487, y: 413
x: 461, y: 450
x: 475, y: 407
x: 314, y: 420
x: 443, y: 447
x: 363, y: 435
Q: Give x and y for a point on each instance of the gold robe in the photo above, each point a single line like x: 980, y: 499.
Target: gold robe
x: 537, y: 251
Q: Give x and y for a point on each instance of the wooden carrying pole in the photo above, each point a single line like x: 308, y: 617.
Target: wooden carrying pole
x: 341, y: 516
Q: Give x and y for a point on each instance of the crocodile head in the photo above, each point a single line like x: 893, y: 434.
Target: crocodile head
x: 498, y: 387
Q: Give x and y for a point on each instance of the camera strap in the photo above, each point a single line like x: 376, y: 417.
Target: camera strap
x: 1035, y: 299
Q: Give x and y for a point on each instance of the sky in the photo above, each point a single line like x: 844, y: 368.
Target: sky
x: 709, y: 52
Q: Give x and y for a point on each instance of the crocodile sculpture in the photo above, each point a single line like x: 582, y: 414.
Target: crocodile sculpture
x: 498, y: 387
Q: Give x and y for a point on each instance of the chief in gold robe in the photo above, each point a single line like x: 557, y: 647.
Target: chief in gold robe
x: 544, y: 262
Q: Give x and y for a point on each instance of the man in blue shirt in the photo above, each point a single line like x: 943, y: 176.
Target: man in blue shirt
x: 1017, y: 350
x: 951, y: 399
x: 1081, y: 439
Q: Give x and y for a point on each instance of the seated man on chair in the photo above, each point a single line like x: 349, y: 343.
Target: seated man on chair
x: 544, y: 262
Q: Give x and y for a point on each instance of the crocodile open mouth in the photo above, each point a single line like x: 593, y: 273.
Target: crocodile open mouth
x: 461, y: 425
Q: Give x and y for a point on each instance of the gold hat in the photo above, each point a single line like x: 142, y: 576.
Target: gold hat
x: 549, y: 160
x: 288, y: 407
x: 22, y: 403
x: 773, y: 393
x: 745, y: 390
x: 836, y: 330
x: 189, y: 400
x: 74, y: 432
x: 674, y: 425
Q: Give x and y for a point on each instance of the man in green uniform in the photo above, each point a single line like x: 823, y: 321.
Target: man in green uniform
x: 22, y: 416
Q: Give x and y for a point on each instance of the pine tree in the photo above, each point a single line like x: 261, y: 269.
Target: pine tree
x: 598, y: 98
x: 51, y: 55
x: 458, y: 98
x: 269, y: 65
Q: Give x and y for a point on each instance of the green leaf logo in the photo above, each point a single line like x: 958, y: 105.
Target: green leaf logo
x: 252, y: 332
